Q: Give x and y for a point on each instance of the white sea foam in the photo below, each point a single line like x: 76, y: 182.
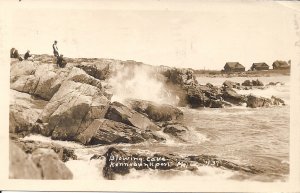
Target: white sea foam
x: 204, y: 173
x: 41, y: 138
x: 139, y: 83
x: 191, y: 136
x: 195, y: 136
x: 86, y: 169
x: 169, y: 140
x: 281, y: 91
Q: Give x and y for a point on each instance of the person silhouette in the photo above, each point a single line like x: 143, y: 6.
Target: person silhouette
x: 61, y: 62
x: 55, y: 49
x: 27, y: 55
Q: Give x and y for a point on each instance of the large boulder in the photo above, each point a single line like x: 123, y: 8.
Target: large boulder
x: 233, y: 97
x: 21, y: 165
x: 277, y: 101
x: 197, y: 98
x: 230, y: 84
x: 213, y: 92
x: 257, y: 83
x: 44, y: 81
x: 51, y: 167
x: 23, y: 68
x: 71, y: 110
x: 104, y: 131
x: 247, y: 83
x: 254, y: 101
x: 97, y: 70
x: 180, y: 77
x: 29, y: 146
x: 43, y: 163
x: 24, y: 110
x: 156, y: 112
x: 78, y: 75
x: 121, y: 113
x: 205, y: 96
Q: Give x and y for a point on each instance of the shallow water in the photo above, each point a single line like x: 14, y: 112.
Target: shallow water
x: 257, y: 137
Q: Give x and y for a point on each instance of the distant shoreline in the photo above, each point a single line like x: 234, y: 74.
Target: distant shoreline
x: 262, y: 73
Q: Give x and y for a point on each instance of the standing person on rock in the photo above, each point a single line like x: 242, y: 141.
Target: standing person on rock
x: 55, y: 49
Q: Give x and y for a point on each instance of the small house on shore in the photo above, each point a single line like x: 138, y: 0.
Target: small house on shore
x: 281, y: 65
x: 234, y: 67
x: 259, y: 66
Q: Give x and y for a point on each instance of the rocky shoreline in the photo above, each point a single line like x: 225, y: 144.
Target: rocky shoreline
x: 75, y: 104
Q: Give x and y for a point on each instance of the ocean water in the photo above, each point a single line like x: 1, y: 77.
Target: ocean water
x: 255, y: 137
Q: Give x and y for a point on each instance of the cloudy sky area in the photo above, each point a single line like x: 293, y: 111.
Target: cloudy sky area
x: 192, y: 34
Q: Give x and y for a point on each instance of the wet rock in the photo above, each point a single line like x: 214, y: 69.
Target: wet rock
x: 119, y: 162
x: 176, y: 130
x: 50, y: 165
x: 103, y: 131
x: 109, y: 171
x: 156, y: 112
x: 218, y: 104
x: 247, y: 83
x: 257, y: 83
x: 252, y: 83
x: 197, y: 98
x: 97, y: 156
x: 121, y: 113
x: 254, y: 101
x: 213, y: 161
x: 233, y: 97
x: 212, y: 92
x: 72, y: 109
x: 180, y: 76
x: 21, y: 165
x: 205, y: 96
x: 231, y: 84
x: 24, y: 111
x: 274, y: 83
x: 277, y: 101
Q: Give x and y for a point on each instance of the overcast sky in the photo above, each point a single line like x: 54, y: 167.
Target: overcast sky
x: 192, y: 34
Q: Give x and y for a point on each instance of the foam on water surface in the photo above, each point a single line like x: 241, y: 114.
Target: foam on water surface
x: 86, y: 169
x: 203, y: 173
x: 41, y: 138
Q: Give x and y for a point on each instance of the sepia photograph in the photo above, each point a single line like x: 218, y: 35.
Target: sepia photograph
x: 173, y: 91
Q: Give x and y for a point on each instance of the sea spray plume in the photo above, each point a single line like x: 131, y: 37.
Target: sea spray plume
x: 139, y: 82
